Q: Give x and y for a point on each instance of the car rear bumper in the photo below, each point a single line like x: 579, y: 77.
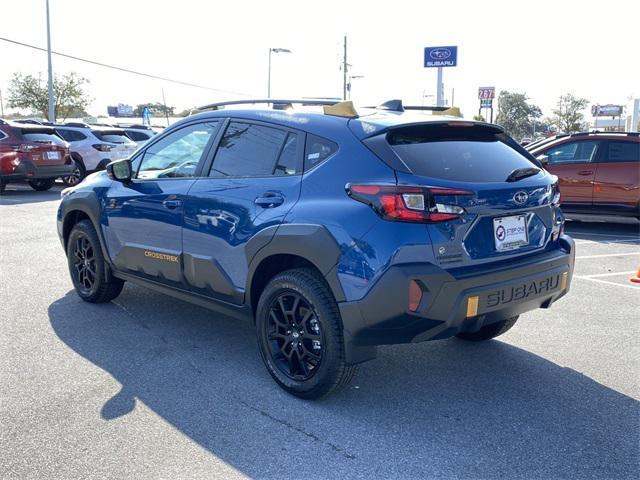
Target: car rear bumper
x: 448, y: 300
x: 27, y: 170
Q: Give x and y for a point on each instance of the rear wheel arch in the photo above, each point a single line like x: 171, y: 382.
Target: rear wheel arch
x: 294, y: 246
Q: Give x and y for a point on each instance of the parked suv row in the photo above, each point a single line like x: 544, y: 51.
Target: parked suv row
x: 34, y: 153
x: 93, y: 147
x: 599, y: 172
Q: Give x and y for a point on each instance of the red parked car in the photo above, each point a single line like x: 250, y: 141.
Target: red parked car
x: 34, y: 153
x: 599, y: 172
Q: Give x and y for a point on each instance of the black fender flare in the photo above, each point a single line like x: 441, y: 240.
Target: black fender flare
x: 87, y: 203
x: 312, y: 242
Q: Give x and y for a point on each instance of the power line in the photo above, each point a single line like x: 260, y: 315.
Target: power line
x: 126, y: 70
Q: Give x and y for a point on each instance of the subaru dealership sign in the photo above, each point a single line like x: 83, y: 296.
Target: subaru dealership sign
x: 440, y: 56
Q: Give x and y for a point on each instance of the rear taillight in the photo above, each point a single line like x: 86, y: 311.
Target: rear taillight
x: 409, y: 203
x: 102, y: 147
x: 24, y: 148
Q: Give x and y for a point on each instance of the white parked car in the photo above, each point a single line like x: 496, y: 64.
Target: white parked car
x: 92, y: 148
x: 140, y: 134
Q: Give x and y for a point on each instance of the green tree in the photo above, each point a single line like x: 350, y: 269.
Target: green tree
x: 479, y: 118
x: 155, y: 108
x: 30, y: 92
x: 516, y: 115
x: 568, y: 117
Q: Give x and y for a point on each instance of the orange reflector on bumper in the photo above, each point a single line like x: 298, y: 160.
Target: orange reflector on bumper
x: 472, y: 306
x: 563, y: 281
x: 415, y: 295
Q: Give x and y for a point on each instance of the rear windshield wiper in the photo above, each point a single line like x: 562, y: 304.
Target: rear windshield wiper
x: 520, y: 173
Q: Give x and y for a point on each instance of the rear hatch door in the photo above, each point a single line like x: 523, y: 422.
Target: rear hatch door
x: 507, y: 210
x: 42, y: 146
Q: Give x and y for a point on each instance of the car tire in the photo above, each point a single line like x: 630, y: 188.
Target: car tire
x: 42, y: 184
x: 90, y: 274
x: 490, y: 331
x: 79, y: 172
x: 300, y: 337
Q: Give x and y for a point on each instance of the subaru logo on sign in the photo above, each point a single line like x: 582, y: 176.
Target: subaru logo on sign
x: 441, y: 56
x: 520, y: 198
x: 440, y: 53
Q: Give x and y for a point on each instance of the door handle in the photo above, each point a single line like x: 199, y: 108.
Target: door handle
x: 171, y: 204
x: 585, y: 172
x: 269, y: 200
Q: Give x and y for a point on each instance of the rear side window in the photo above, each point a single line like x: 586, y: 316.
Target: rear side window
x: 41, y: 136
x: 111, y: 136
x: 71, y: 135
x: 317, y: 150
x: 622, y: 152
x: 137, y: 136
x: 248, y: 150
x: 574, y: 152
x: 467, y: 154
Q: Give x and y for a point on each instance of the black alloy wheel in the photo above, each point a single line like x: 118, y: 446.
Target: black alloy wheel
x: 295, y: 337
x: 300, y: 335
x: 92, y: 278
x: 84, y: 265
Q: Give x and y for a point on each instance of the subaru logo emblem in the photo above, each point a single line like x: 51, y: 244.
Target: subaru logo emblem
x: 520, y: 198
x: 440, y: 53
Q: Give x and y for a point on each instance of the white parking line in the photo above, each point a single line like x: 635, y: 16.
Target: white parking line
x: 607, y: 282
x: 581, y: 241
x: 625, y: 254
x: 602, y: 235
x: 610, y: 274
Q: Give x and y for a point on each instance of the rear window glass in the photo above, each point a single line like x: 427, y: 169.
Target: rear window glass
x: 111, y: 136
x: 622, y: 152
x: 467, y: 154
x: 37, y: 136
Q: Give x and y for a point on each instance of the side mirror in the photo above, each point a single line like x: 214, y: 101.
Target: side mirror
x: 543, y: 159
x: 120, y: 170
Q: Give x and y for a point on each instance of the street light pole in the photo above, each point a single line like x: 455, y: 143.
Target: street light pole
x: 52, y: 113
x: 273, y: 50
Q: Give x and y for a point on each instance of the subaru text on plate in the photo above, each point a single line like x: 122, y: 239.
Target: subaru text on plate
x: 336, y: 231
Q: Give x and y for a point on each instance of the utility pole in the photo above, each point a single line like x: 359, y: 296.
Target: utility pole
x: 344, y: 70
x: 52, y: 112
x: 1, y: 105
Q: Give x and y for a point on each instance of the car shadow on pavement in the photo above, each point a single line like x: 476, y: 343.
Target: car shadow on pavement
x: 443, y: 409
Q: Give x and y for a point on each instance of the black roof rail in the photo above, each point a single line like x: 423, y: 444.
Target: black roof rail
x: 76, y: 124
x: 133, y: 126
x: 599, y: 132
x: 275, y: 101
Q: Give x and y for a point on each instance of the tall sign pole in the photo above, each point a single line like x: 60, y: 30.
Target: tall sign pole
x: 52, y: 113
x: 344, y: 70
x: 440, y: 57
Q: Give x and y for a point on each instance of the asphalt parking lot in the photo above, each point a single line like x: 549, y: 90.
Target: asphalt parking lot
x: 151, y: 387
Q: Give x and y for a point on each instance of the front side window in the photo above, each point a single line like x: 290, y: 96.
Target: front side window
x: 178, y: 154
x: 622, y: 152
x: 574, y: 152
x: 248, y: 150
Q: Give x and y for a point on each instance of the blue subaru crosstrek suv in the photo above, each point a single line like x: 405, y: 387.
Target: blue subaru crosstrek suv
x: 335, y: 231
